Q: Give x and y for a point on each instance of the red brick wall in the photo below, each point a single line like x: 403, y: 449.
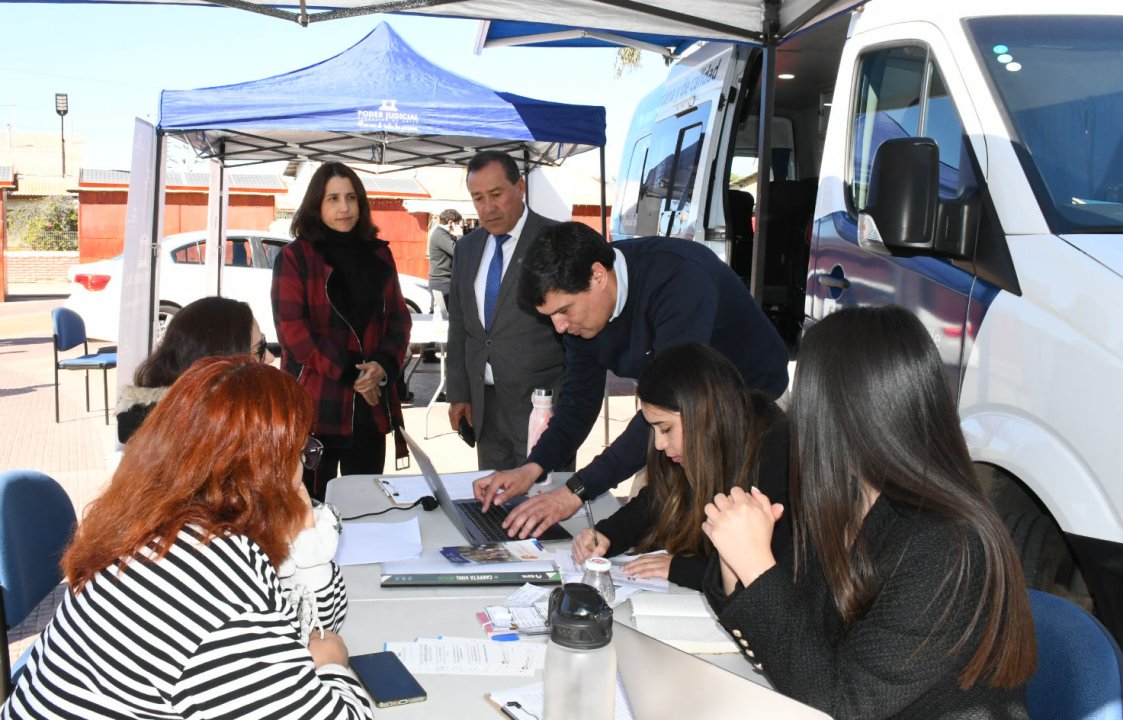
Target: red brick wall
x: 407, y: 233
x: 590, y: 215
x: 32, y: 266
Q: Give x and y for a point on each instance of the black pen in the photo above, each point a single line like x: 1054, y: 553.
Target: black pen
x: 589, y: 517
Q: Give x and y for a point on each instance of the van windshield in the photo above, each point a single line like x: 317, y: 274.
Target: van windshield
x: 1059, y: 83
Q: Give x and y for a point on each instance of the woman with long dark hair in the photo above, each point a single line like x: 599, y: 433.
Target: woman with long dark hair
x: 708, y: 434
x: 342, y: 323
x: 178, y: 604
x: 905, y: 597
x: 207, y: 327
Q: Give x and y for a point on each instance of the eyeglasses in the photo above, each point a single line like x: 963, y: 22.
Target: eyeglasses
x: 258, y: 350
x: 312, y: 453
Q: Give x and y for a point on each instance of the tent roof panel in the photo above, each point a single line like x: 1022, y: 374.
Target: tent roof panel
x: 378, y: 101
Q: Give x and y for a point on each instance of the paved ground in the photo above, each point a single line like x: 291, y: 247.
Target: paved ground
x: 80, y: 451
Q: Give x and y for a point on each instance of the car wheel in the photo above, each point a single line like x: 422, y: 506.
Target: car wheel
x: 167, y: 312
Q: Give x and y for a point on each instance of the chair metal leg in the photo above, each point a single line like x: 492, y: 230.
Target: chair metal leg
x: 105, y: 388
x: 56, y: 391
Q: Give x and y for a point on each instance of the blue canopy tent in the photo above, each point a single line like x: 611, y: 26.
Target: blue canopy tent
x: 378, y: 105
x: 376, y: 102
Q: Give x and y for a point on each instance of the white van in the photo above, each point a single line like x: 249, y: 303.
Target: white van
x: 1002, y: 231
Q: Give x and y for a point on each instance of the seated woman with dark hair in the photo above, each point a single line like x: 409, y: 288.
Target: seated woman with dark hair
x: 209, y: 326
x: 176, y: 606
x: 905, y: 596
x: 708, y: 434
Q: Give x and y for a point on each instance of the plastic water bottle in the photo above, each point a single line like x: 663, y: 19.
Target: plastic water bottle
x: 542, y: 409
x: 598, y: 576
x: 580, y: 677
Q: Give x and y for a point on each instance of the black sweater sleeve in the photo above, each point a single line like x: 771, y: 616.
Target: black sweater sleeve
x: 631, y: 523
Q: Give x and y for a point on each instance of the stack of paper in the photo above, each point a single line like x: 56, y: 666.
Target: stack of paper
x: 470, y: 656
x: 370, y: 542
x: 682, y: 620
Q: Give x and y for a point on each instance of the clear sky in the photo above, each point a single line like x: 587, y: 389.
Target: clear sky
x: 113, y: 61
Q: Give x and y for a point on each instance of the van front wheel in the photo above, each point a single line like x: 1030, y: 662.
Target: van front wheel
x: 1048, y: 562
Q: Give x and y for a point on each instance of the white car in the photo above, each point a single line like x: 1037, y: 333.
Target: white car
x: 247, y: 276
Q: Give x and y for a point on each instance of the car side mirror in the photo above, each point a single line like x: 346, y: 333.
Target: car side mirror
x: 905, y: 215
x: 903, y: 201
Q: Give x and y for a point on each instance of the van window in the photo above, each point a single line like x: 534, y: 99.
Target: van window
x: 900, y: 93
x: 630, y: 193
x: 670, y: 158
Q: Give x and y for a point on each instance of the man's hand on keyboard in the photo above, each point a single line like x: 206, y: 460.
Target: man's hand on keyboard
x: 534, y: 516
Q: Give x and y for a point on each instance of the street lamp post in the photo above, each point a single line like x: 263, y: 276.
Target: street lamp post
x: 61, y: 107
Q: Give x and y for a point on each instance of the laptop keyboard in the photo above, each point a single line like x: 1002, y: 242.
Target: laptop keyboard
x: 489, y: 523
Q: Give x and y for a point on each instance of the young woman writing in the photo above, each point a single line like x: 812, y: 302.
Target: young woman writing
x: 708, y: 434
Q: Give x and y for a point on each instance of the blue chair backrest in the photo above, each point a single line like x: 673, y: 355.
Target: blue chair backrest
x: 1079, y: 665
x: 70, y: 329
x: 36, y: 524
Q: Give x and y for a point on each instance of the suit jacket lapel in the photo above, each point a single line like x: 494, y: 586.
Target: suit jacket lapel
x: 508, y: 289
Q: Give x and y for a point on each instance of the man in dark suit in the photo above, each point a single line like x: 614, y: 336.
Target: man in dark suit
x: 498, y: 352
x: 617, y: 305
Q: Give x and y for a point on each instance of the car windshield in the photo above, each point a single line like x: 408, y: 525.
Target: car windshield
x: 1059, y: 82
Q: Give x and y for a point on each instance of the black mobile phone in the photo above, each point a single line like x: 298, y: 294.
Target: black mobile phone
x: 465, y: 431
x: 389, y: 681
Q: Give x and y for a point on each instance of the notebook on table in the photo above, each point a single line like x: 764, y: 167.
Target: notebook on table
x: 467, y: 515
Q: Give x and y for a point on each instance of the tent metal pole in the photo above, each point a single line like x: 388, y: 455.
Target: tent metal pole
x: 604, y: 232
x: 764, y: 135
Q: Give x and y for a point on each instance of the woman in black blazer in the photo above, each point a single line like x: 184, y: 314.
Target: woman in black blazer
x: 904, y: 597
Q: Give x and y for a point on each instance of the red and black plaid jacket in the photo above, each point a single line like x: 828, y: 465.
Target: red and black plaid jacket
x: 319, y: 346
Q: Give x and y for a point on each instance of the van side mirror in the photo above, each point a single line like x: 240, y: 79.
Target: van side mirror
x: 905, y: 216
x: 901, y: 211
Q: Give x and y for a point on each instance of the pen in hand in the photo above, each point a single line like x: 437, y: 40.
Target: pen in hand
x: 589, y: 517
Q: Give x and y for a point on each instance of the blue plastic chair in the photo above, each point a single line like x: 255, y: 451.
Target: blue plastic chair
x: 1079, y: 666
x: 70, y: 332
x: 36, y: 524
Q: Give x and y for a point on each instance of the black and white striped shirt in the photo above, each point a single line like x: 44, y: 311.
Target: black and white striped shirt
x: 204, y: 632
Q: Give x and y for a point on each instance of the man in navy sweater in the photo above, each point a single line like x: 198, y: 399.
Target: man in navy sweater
x: 617, y: 305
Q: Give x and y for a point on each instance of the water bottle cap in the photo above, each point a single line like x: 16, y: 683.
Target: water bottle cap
x: 543, y: 393
x: 579, y: 617
x: 598, y: 564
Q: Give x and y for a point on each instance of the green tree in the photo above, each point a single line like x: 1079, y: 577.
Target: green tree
x: 49, y: 223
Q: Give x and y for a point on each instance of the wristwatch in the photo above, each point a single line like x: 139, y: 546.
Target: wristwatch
x: 577, y: 486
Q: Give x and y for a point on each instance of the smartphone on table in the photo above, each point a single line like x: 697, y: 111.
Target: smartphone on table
x: 389, y: 682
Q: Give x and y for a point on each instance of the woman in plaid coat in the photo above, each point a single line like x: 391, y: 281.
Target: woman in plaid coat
x: 342, y: 324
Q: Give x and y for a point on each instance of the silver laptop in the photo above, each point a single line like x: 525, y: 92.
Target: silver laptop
x: 467, y: 515
x: 664, y: 682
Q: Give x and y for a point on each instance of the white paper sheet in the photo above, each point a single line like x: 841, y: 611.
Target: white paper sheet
x: 362, y: 543
x: 470, y: 656
x: 459, y: 485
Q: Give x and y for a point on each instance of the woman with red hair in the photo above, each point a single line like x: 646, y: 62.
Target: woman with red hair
x: 177, y: 607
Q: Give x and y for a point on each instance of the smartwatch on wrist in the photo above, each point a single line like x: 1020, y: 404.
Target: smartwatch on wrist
x: 577, y: 486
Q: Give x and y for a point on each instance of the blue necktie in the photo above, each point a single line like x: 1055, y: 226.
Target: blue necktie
x: 494, y: 279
